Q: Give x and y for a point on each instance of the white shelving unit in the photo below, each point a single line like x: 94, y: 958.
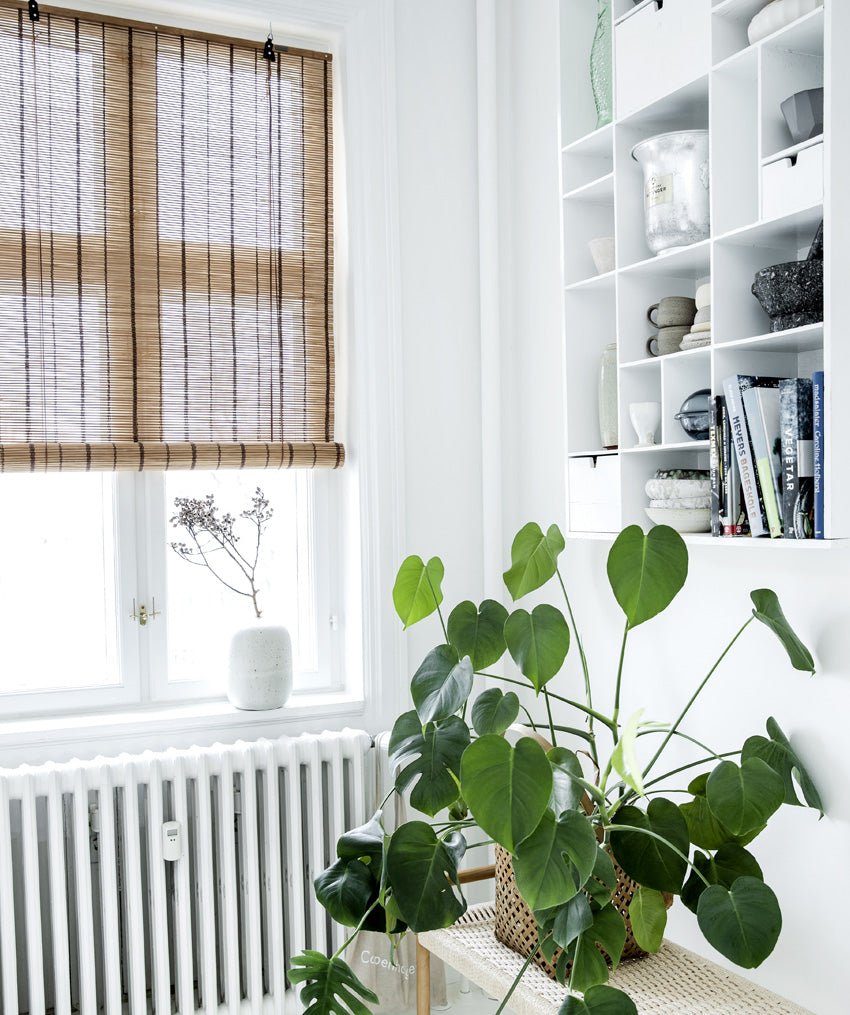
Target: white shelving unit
x: 735, y: 90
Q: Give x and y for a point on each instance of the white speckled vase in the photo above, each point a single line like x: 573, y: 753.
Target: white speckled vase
x: 260, y: 675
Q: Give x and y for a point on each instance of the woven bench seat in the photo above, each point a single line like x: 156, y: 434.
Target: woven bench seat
x: 673, y: 982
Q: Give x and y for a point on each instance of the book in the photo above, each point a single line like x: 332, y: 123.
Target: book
x: 761, y: 407
x: 735, y: 516
x: 819, y: 450
x: 715, y: 465
x: 798, y: 466
x: 733, y: 388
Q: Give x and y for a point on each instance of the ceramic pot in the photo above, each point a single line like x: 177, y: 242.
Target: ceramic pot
x: 645, y: 417
x: 608, y: 424
x: 601, y: 65
x: 791, y: 294
x: 777, y: 15
x: 260, y: 675
x: 803, y: 114
x: 676, y: 188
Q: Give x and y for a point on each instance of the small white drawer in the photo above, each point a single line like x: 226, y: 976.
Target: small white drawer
x: 792, y: 184
x: 661, y: 47
x: 594, y: 494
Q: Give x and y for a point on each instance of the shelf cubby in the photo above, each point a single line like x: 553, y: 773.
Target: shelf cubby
x: 586, y: 217
x: 590, y: 326
x: 735, y: 150
x: 681, y: 376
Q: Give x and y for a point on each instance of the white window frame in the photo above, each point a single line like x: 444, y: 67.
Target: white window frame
x: 141, y: 537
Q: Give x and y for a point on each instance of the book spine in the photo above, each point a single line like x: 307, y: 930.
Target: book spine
x: 795, y: 419
x: 744, y: 456
x: 817, y: 422
x: 761, y: 441
x: 715, y: 472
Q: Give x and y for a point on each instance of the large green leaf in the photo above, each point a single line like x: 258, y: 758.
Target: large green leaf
x: 507, y: 788
x: 602, y: 882
x: 704, y: 829
x: 365, y: 842
x: 647, y: 570
x: 534, y: 559
x: 769, y: 612
x: 538, y: 642
x: 648, y: 860
x: 742, y: 922
x: 778, y: 753
x: 432, y: 757
x: 422, y: 871
x: 418, y: 589
x: 555, y: 860
x: 624, y: 759
x: 729, y: 863
x: 744, y: 798
x: 648, y: 916
x: 571, y: 919
x: 478, y: 633
x: 494, y: 712
x: 346, y: 890
x: 589, y: 966
x: 601, y: 1000
x: 331, y: 988
x: 566, y: 769
x: 442, y: 684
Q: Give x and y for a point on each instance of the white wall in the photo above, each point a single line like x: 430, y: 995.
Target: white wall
x: 803, y: 860
x: 438, y: 223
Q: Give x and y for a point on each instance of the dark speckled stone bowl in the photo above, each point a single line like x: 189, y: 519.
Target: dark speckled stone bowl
x: 791, y: 294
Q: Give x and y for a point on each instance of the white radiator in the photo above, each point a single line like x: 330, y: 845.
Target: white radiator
x: 94, y: 918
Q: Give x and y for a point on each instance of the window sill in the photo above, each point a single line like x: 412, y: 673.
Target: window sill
x: 163, y: 725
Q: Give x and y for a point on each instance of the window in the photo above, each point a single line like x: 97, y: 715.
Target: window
x: 166, y: 329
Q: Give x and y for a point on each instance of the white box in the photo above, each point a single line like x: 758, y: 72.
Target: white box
x: 659, y: 49
x: 791, y: 185
x: 594, y: 494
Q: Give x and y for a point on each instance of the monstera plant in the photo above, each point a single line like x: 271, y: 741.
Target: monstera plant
x: 563, y: 814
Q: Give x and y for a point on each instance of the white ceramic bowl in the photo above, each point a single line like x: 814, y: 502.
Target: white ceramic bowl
x: 777, y: 15
x: 682, y: 519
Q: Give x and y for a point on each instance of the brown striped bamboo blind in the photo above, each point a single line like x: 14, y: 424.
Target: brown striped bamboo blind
x: 166, y: 257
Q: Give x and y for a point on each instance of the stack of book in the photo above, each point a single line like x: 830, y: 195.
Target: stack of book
x: 767, y: 457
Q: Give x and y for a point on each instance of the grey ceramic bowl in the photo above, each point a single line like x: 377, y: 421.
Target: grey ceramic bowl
x: 791, y: 294
x: 803, y: 113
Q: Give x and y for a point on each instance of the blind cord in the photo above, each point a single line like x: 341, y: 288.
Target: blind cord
x: 34, y: 15
x: 269, y: 56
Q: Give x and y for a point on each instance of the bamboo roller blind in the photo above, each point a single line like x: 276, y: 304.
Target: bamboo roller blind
x: 166, y: 258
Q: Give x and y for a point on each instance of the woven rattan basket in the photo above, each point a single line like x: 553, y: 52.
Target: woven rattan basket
x: 517, y: 928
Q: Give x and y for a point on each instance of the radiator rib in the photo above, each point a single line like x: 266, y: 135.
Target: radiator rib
x: 96, y: 920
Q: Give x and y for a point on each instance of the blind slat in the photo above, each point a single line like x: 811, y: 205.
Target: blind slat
x: 166, y: 255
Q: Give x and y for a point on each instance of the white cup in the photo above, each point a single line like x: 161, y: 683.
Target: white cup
x: 602, y: 252
x: 645, y: 417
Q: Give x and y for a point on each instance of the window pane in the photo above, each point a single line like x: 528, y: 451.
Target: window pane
x: 58, y: 613
x: 203, y: 614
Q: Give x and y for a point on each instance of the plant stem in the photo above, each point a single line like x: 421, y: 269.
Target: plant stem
x: 517, y: 980
x: 436, y: 603
x: 604, y: 719
x: 531, y: 721
x: 354, y: 933
x: 588, y: 691
x: 694, y: 696
x: 684, y: 736
x: 693, y: 764
x: 551, y: 720
x: 616, y: 715
x: 660, y: 838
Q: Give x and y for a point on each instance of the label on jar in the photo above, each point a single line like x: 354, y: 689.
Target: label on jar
x: 659, y: 190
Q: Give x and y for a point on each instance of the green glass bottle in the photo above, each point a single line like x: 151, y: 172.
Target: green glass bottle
x: 601, y: 69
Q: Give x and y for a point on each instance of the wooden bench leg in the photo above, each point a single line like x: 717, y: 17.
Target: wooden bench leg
x: 423, y: 980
